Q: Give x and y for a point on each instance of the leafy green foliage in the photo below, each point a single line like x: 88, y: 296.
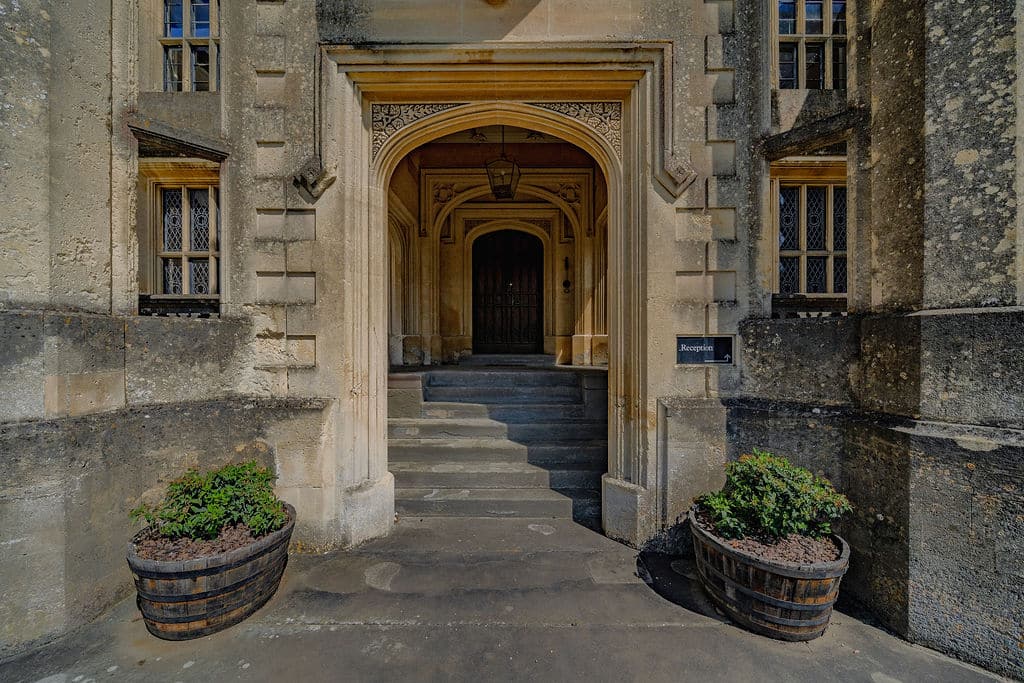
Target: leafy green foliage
x: 199, y: 506
x: 767, y: 497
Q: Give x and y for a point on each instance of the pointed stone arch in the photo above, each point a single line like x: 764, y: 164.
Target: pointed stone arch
x: 354, y: 79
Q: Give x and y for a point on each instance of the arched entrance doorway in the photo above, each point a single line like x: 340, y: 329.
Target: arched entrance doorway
x: 508, y: 289
x: 385, y: 103
x: 440, y: 204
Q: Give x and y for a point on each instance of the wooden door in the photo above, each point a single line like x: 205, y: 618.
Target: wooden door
x: 508, y: 289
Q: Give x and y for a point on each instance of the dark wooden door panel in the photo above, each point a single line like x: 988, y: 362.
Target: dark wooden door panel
x: 508, y: 287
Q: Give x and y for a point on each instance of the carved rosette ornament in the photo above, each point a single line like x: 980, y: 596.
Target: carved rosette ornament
x: 570, y: 192
x: 388, y: 119
x: 604, y: 117
x: 444, y: 193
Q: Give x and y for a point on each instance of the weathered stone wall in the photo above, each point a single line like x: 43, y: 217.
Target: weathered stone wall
x: 26, y: 54
x: 923, y: 432
x: 70, y: 364
x: 818, y: 360
x: 68, y: 484
x: 971, y: 112
x: 861, y: 459
x: 935, y: 535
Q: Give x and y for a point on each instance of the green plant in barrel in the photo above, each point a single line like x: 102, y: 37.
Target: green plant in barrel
x: 767, y: 497
x: 199, y: 506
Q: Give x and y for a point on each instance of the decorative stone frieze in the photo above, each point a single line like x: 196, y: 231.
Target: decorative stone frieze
x: 603, y: 117
x: 388, y: 119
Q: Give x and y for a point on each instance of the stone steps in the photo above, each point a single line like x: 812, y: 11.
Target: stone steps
x: 500, y: 442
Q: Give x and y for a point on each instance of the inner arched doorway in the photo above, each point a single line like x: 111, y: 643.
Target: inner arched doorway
x: 440, y: 204
x: 508, y: 293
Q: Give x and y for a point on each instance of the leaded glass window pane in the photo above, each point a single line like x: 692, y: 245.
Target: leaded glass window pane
x: 814, y: 17
x: 839, y: 275
x: 172, y: 276
x: 172, y: 220
x: 788, y: 78
x: 201, y: 18
x: 839, y: 218
x: 815, y: 66
x: 200, y: 68
x: 787, y: 17
x: 173, y: 23
x: 216, y: 199
x: 839, y: 66
x: 789, y: 218
x: 816, y: 226
x: 172, y: 68
x: 789, y: 275
x: 199, y: 219
x: 839, y: 17
x: 199, y: 276
x: 817, y: 278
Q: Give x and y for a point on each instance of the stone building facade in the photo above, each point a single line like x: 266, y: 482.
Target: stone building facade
x: 222, y: 223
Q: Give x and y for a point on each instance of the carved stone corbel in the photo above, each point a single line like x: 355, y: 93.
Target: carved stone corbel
x: 314, y: 178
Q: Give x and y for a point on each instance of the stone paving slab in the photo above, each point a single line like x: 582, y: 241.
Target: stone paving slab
x: 485, y: 599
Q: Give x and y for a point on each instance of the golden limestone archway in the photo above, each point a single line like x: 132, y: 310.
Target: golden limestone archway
x: 363, y: 91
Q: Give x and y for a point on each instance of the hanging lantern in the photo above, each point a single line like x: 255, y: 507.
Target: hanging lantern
x: 503, y: 174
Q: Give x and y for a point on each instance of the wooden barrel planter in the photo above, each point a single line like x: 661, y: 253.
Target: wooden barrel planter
x: 780, y: 600
x: 193, y: 598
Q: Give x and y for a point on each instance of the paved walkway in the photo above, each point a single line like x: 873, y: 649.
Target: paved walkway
x: 482, y: 600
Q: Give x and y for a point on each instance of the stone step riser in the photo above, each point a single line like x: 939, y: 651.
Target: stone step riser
x: 470, y: 480
x: 484, y: 508
x: 551, y: 455
x: 554, y: 431
x: 493, y: 380
x: 516, y: 395
x: 449, y: 429
x: 502, y: 413
x: 446, y: 430
x: 553, y: 479
x: 590, y: 480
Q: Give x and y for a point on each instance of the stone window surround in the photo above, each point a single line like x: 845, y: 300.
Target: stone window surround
x: 154, y: 176
x: 801, y: 39
x: 803, y: 172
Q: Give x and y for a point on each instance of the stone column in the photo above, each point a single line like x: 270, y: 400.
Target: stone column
x: 897, y: 155
x: 80, y: 157
x: 363, y: 496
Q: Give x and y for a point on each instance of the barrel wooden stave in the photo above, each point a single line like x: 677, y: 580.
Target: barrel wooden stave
x: 183, y: 600
x: 786, y: 602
